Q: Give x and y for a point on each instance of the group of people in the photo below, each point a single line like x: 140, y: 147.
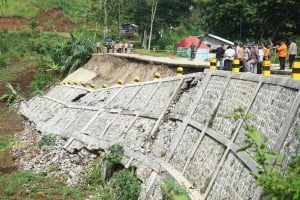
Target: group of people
x: 251, y: 56
x: 112, y: 47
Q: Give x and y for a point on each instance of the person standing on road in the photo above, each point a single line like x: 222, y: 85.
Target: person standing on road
x: 246, y: 58
x: 219, y: 56
x: 292, y: 52
x: 125, y: 47
x: 282, y: 52
x: 228, y: 58
x: 98, y: 47
x: 253, y: 60
x: 192, y: 51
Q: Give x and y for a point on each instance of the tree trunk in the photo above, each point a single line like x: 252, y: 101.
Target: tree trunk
x: 153, y: 11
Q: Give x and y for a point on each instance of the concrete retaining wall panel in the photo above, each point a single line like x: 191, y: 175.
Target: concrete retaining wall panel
x: 163, y: 138
x: 138, y: 134
x: 104, y: 96
x: 80, y: 121
x: 72, y: 94
x: 122, y: 99
x: 291, y: 146
x: 56, y: 92
x: 234, y: 181
x: 185, y: 147
x: 160, y: 98
x: 50, y: 126
x: 99, y: 124
x: 186, y: 99
x: 118, y: 126
x: 204, y: 163
x: 68, y: 118
x: 271, y: 107
x: 142, y: 96
x: 238, y: 94
x: 209, y: 99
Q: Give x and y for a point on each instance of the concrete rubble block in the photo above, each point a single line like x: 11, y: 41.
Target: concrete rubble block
x: 238, y: 94
x: 163, y: 137
x: 160, y: 99
x: 210, y: 97
x: 184, y: 148
x: 234, y: 181
x: 141, y: 98
x: 271, y: 107
x: 117, y: 128
x: 122, y: 98
x: 74, y: 146
x: 204, y: 163
x: 137, y: 136
x: 99, y: 124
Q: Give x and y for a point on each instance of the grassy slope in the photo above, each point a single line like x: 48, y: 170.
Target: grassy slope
x: 73, y: 9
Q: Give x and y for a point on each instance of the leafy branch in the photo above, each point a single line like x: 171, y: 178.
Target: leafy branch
x: 277, y: 182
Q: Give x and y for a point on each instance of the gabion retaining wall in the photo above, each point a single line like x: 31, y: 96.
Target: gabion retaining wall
x: 177, y: 127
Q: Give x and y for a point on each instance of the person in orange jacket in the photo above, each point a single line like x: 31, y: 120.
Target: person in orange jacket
x: 282, y: 53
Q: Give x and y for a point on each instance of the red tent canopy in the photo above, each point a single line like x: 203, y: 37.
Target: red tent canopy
x: 187, y: 42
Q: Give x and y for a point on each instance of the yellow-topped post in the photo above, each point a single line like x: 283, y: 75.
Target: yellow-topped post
x: 179, y: 71
x: 213, y: 64
x: 266, y: 67
x: 136, y: 79
x: 296, y: 71
x: 120, y: 82
x: 236, y: 65
x: 156, y: 75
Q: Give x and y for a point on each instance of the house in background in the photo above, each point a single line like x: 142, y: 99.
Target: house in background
x: 214, y: 41
x: 129, y: 30
x: 183, y: 48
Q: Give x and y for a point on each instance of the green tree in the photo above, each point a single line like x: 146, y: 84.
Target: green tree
x: 73, y: 53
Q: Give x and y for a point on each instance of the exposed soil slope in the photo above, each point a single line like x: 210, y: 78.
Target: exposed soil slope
x: 110, y: 69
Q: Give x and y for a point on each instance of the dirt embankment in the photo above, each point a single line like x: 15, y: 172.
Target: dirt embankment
x: 110, y: 69
x: 47, y: 20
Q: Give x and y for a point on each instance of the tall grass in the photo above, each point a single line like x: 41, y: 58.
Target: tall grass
x: 18, y: 8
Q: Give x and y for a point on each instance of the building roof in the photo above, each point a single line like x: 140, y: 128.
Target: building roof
x: 218, y: 38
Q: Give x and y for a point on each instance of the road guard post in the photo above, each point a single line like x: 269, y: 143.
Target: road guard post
x: 296, y: 71
x: 236, y: 65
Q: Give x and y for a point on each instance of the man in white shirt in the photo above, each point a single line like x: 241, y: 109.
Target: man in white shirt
x: 228, y: 57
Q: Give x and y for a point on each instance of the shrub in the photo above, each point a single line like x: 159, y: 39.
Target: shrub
x: 3, y: 61
x: 114, y: 155
x: 47, y: 140
x: 73, y: 53
x: 172, y: 191
x: 126, y: 185
x: 41, y: 81
x: 12, y: 96
x: 277, y: 182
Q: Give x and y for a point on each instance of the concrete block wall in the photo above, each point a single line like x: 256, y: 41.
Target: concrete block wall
x: 177, y: 126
